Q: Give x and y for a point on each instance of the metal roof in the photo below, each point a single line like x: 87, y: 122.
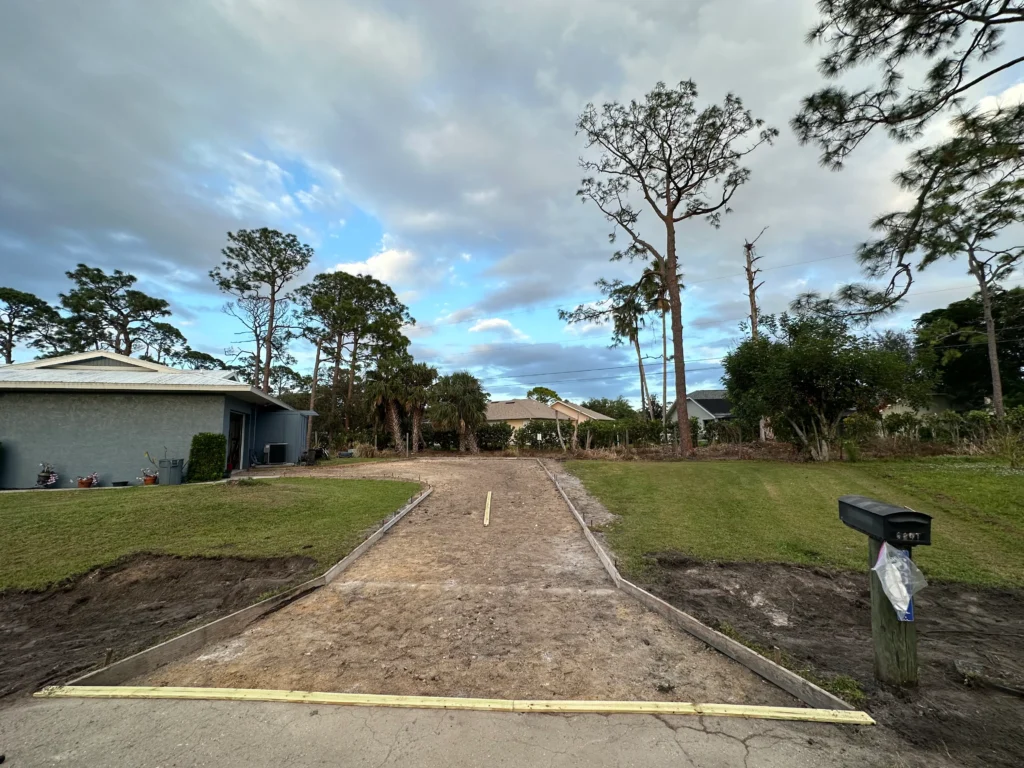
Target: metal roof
x: 142, y: 379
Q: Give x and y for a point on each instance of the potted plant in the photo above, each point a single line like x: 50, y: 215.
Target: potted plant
x: 89, y: 480
x: 149, y: 477
x: 46, y: 477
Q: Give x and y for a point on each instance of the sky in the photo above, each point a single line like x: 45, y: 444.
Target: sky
x: 431, y: 145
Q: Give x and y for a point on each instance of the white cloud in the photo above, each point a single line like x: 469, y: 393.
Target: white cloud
x: 395, y: 266
x: 498, y: 325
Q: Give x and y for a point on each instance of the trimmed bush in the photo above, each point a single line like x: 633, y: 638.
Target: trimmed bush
x: 496, y: 436
x: 207, y: 457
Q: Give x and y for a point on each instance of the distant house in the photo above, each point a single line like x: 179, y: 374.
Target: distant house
x: 101, y: 412
x: 518, y: 412
x: 706, y: 405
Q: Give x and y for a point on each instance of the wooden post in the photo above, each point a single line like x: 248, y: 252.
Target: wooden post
x: 895, y: 641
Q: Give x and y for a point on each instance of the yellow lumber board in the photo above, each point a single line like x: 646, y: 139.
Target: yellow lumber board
x: 487, y: 510
x: 256, y: 694
x: 454, y: 702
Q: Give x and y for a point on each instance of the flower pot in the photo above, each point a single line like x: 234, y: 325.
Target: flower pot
x: 149, y: 480
x: 42, y: 479
x: 85, y: 483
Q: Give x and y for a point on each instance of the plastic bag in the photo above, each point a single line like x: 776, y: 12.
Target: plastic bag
x: 900, y: 579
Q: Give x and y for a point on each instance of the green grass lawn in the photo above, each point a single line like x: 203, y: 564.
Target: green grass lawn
x: 783, y: 512
x: 48, y: 536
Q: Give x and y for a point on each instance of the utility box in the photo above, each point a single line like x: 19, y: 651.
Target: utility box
x: 275, y: 453
x: 170, y: 471
x: 886, y: 522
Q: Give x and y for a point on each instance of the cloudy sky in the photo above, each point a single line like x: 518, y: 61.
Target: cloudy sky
x: 430, y: 144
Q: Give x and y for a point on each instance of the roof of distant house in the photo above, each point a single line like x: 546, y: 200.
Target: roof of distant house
x: 524, y: 408
x: 106, y: 371
x: 586, y: 411
x: 714, y: 401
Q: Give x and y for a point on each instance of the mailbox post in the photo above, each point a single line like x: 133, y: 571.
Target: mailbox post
x: 895, y: 641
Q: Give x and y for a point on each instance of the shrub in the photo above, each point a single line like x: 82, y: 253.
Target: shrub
x: 440, y: 439
x: 901, y: 424
x: 496, y: 436
x: 977, y: 425
x: 719, y: 431
x: 860, y: 428
x: 694, y: 430
x: 206, y: 457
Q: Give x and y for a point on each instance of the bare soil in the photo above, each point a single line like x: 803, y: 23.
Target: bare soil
x: 822, y: 620
x: 445, y: 606
x: 51, y: 636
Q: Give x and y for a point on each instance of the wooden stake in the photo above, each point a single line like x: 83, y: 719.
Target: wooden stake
x: 895, y: 641
x: 487, y: 510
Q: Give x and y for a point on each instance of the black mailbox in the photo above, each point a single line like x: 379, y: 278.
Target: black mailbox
x: 886, y: 522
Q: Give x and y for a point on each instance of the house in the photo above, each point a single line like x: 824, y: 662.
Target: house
x: 705, y: 405
x: 101, y: 412
x: 518, y: 412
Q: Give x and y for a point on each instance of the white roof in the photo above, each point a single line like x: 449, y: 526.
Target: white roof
x: 132, y: 375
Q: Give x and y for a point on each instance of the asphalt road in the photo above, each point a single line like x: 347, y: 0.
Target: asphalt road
x: 165, y: 734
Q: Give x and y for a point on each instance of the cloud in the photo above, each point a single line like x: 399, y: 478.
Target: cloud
x: 450, y: 123
x: 392, y: 266
x: 498, y: 325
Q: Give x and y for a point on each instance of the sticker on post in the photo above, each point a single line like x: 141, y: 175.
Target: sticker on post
x: 900, y: 578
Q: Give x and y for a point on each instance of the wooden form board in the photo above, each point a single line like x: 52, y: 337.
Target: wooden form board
x: 453, y: 702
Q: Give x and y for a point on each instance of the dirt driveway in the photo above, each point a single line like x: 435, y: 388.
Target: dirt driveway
x: 447, y: 607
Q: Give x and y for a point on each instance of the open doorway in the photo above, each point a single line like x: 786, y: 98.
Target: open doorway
x: 236, y: 440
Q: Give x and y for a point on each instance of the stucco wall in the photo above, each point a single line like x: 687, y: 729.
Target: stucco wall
x: 81, y: 432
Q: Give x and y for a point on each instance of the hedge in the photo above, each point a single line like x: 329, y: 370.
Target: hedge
x: 206, y: 457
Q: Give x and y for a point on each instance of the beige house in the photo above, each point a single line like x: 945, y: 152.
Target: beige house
x: 517, y: 412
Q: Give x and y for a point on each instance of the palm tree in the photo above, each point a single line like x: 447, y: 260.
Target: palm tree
x: 419, y: 378
x: 458, y: 402
x: 628, y: 312
x: 385, y: 386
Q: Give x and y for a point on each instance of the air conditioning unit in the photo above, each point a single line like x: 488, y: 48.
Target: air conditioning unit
x: 275, y: 453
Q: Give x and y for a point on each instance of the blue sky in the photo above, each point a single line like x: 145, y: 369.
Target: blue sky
x: 431, y: 145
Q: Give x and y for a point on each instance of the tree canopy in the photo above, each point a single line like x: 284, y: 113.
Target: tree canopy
x: 806, y: 372
x: 957, y: 336
x: 258, y: 265
x: 619, y: 408
x: 959, y: 41
x: 22, y: 317
x: 543, y: 395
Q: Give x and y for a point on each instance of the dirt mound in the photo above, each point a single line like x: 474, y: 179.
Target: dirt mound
x: 48, y: 637
x: 821, y: 619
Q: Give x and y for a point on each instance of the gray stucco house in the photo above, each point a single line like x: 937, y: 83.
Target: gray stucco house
x: 101, y: 412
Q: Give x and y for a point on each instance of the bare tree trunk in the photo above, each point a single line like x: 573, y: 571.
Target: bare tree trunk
x: 270, y: 341
x: 990, y: 332
x: 335, y: 378
x: 312, y: 392
x: 664, y: 377
x: 351, y: 379
x: 558, y: 431
x: 645, y: 392
x: 676, y: 304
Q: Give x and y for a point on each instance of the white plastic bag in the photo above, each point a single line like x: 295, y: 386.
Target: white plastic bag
x: 900, y: 578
